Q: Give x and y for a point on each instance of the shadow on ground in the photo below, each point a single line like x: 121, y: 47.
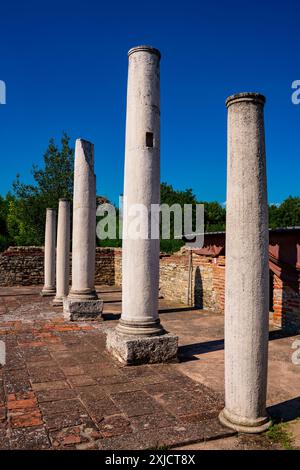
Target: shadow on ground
x: 285, y: 411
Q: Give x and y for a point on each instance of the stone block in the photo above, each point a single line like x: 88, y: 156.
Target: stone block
x: 80, y: 310
x: 132, y: 349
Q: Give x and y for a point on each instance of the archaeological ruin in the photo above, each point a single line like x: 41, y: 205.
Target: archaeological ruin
x: 139, y: 336
x: 62, y: 252
x: 124, y: 347
x: 82, y: 300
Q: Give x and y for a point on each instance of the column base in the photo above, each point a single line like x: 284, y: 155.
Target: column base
x: 243, y: 425
x: 83, y: 294
x: 48, y: 291
x: 82, y: 309
x: 140, y: 328
x: 58, y: 301
x: 134, y: 349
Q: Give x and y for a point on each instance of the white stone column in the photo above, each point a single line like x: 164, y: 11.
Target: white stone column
x: 139, y: 328
x: 62, y: 252
x: 247, y: 270
x: 49, y: 254
x: 82, y: 302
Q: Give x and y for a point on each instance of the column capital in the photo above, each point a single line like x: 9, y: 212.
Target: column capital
x: 144, y: 48
x: 246, y: 96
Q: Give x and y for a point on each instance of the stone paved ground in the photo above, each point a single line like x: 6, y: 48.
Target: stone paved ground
x: 59, y: 388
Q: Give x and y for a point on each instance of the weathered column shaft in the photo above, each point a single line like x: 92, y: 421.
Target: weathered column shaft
x: 139, y: 336
x: 84, y: 221
x: 49, y: 257
x: 62, y: 252
x: 246, y: 284
x: 140, y: 268
x: 82, y: 301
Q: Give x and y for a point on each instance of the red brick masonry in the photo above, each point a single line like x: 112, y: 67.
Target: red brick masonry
x: 199, y: 281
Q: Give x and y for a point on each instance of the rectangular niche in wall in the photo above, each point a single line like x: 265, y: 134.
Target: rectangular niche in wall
x: 149, y: 139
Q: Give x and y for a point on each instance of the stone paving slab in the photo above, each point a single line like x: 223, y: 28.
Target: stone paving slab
x: 60, y: 389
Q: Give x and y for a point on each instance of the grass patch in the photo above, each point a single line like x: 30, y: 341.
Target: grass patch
x: 278, y: 433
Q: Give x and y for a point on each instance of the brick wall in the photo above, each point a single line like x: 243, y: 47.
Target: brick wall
x: 108, y: 265
x: 22, y: 266
x: 286, y: 305
x: 204, y: 288
x: 25, y: 266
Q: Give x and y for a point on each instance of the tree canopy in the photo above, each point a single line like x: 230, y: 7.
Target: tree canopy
x: 286, y: 214
x: 27, y: 206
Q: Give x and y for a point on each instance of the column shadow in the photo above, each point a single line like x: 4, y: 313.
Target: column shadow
x: 198, y: 289
x: 190, y: 351
x: 286, y: 410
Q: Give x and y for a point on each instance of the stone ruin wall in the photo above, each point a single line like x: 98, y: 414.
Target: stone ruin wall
x: 206, y: 286
x: 24, y: 266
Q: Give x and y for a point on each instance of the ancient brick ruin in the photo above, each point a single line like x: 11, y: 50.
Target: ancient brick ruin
x: 231, y: 273
x: 203, y: 288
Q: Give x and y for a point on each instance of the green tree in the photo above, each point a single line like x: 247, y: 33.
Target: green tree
x: 170, y: 196
x: 3, y: 215
x: 273, y: 216
x: 288, y: 213
x: 26, y: 216
x: 214, y: 217
x: 110, y: 242
x: 5, y: 239
x: 214, y: 213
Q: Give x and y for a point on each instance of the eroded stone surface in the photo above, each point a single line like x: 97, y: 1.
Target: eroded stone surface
x: 82, y: 309
x: 62, y: 252
x: 247, y: 270
x: 142, y: 350
x: 49, y: 254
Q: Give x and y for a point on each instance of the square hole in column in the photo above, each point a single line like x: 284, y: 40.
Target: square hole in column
x: 149, y: 139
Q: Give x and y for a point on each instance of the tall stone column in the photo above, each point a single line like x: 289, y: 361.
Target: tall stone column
x: 139, y: 337
x: 82, y: 302
x: 62, y: 252
x: 49, y: 254
x: 247, y: 281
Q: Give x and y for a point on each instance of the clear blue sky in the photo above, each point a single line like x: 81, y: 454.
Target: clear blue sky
x: 65, y: 67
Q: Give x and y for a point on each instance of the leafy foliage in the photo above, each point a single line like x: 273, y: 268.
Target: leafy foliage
x: 5, y: 239
x: 26, y: 214
x: 170, y: 196
x: 286, y: 214
x: 110, y: 242
x: 214, y: 217
x: 214, y: 213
